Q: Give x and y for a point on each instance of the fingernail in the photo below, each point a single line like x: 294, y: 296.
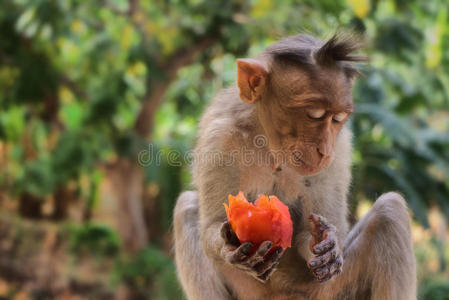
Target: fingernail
x: 248, y: 247
x: 267, y: 245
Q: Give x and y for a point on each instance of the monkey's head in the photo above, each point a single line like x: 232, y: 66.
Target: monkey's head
x: 302, y: 88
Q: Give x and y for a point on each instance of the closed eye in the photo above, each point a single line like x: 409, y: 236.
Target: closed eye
x: 316, y: 113
x: 340, y: 116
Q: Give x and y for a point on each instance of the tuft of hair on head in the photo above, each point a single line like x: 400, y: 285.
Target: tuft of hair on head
x: 309, y: 52
x: 339, y: 50
x: 340, y: 47
x: 294, y: 49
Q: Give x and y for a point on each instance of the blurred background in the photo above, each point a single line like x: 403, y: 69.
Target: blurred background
x: 91, y: 90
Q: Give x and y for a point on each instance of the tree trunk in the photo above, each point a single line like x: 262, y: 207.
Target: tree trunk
x: 63, y: 197
x: 30, y: 206
x: 127, y: 180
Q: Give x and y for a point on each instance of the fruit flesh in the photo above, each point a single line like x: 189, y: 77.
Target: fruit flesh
x: 267, y: 219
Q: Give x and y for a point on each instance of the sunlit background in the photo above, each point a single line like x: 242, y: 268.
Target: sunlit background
x: 87, y: 86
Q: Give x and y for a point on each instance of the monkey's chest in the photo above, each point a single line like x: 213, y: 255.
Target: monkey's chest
x: 286, y: 184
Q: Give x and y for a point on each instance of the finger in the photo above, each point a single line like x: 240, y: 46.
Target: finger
x: 329, y: 230
x: 318, y: 221
x: 315, y: 226
x: 225, y: 227
x: 265, y: 276
x: 228, y: 234
x: 319, y: 228
x: 269, y: 263
x: 241, y: 253
x: 326, y: 244
x: 321, y: 272
x: 324, y: 259
x: 258, y: 257
x: 331, y: 268
x: 264, y: 248
x: 336, y: 265
x: 314, y: 218
x: 330, y: 275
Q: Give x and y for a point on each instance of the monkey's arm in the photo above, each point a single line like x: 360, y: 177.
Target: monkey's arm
x: 214, y: 183
x: 219, y: 241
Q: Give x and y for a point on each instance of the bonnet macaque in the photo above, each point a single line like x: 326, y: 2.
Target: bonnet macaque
x: 280, y: 130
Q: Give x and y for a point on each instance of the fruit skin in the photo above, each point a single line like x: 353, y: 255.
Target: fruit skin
x: 268, y: 219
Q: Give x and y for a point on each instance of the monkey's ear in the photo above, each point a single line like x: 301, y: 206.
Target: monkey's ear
x: 251, y: 79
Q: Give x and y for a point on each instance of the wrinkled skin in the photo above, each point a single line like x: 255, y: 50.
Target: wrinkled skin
x: 307, y: 138
x: 324, y: 244
x: 327, y: 262
x: 259, y: 263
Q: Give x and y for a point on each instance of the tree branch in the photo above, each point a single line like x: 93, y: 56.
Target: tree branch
x: 153, y: 98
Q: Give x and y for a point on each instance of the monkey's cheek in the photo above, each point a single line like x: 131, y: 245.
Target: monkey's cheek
x: 305, y: 170
x: 308, y: 170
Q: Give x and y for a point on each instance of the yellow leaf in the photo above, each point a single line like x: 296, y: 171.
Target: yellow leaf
x: 434, y: 53
x: 77, y: 26
x: 360, y: 7
x: 262, y: 8
x: 167, y: 39
x: 127, y: 36
x: 66, y: 95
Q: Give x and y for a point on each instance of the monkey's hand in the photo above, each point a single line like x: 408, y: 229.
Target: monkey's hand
x: 328, y: 260
x: 260, y: 264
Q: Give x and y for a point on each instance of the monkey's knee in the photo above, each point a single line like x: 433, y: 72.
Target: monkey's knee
x: 391, y: 208
x: 386, y: 231
x: 392, y: 229
x: 390, y: 222
x: 385, y: 239
x: 392, y: 199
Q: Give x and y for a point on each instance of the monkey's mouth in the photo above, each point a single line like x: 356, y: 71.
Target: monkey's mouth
x: 306, y: 166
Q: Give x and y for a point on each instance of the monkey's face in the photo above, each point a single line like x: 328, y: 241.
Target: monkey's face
x: 307, y: 112
x: 301, y: 108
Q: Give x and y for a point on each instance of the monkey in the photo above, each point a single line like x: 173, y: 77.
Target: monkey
x: 281, y: 129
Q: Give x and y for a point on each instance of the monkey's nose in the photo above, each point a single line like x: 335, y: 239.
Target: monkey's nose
x: 323, y: 151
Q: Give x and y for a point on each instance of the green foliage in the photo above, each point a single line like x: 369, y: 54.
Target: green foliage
x: 43, y: 175
x: 437, y: 289
x: 93, y: 239
x: 151, y: 268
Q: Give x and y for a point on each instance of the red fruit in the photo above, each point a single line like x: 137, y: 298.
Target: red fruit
x: 268, y: 219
